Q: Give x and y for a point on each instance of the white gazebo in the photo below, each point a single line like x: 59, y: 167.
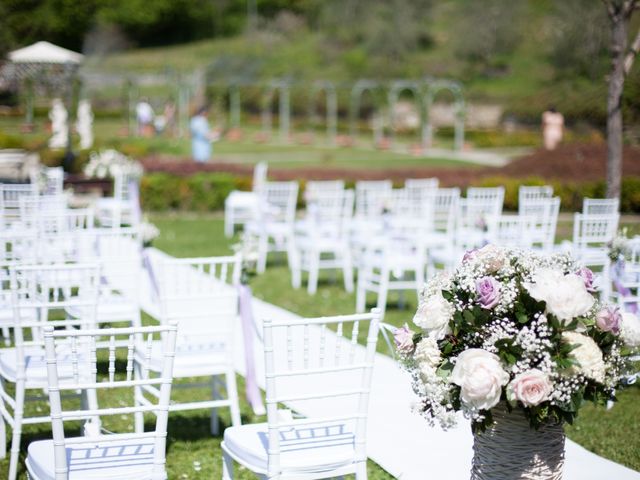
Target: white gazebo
x: 45, y: 52
x: 42, y: 61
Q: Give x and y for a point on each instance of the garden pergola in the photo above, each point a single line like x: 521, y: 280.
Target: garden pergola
x: 42, y: 62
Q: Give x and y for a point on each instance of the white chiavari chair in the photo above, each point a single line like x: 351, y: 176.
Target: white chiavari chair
x: 371, y: 197
x: 102, y: 455
x: 50, y: 180
x: 315, y: 370
x: 545, y: 212
x: 591, y: 237
x: 600, y: 206
x: 240, y: 207
x: 201, y: 295
x: 626, y: 282
x: 395, y: 261
x: 39, y: 296
x: 441, y: 241
x: 322, y: 238
x: 113, y: 212
x: 10, y: 198
x: 530, y: 193
x: 275, y: 221
x: 514, y: 231
x: 314, y: 188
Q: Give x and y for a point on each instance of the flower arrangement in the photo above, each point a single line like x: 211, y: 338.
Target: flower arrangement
x: 148, y: 232
x: 619, y: 247
x: 106, y: 163
x: 247, y: 247
x: 515, y: 327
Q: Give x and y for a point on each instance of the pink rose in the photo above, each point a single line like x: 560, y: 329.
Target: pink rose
x: 403, y: 338
x: 469, y: 255
x: 529, y: 388
x: 609, y: 320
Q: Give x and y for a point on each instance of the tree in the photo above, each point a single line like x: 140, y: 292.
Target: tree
x: 622, y: 57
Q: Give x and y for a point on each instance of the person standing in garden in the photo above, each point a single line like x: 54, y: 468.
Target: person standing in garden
x: 201, y: 135
x: 552, y: 128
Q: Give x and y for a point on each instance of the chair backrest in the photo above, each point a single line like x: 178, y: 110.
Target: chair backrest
x: 445, y: 208
x: 600, y: 206
x: 119, y: 253
x: 122, y: 184
x: 10, y: 199
x: 594, y: 231
x: 201, y: 294
x: 278, y: 201
x: 33, y: 206
x: 317, y: 188
x: 527, y: 193
x: 307, y: 364
x: 545, y: 212
x: 371, y: 196
x: 421, y: 183
x: 488, y: 200
x: 513, y: 231
x: 45, y: 294
x: 72, y: 357
x: 259, y: 175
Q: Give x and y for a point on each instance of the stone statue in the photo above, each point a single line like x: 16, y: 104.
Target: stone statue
x: 59, y: 127
x: 84, y: 124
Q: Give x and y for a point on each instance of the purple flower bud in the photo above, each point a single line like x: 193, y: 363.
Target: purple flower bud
x: 589, y: 280
x: 488, y: 290
x: 469, y: 255
x: 609, y: 320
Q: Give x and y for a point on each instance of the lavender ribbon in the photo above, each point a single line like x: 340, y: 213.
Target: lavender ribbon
x: 252, y: 391
x: 617, y: 275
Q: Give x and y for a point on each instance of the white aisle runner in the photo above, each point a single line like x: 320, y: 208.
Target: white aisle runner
x: 399, y: 441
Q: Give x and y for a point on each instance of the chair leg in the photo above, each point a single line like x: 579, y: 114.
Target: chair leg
x: 3, y: 427
x: 361, y: 294
x: 215, y: 395
x: 361, y: 471
x: 347, y: 272
x: 263, y: 245
x: 383, y: 290
x: 228, y: 222
x: 232, y: 393
x: 295, y: 264
x: 314, y: 270
x: 17, y: 432
x: 227, y: 466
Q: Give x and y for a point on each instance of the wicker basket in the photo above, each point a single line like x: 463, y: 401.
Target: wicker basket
x: 511, y: 450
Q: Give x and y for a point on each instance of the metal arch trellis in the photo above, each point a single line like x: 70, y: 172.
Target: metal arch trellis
x: 331, y: 95
x: 284, y: 111
x: 396, y: 88
x: 358, y: 89
x: 433, y: 87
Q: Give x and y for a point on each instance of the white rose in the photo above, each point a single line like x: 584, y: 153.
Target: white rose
x: 427, y: 353
x: 587, y: 354
x: 433, y: 316
x: 492, y: 256
x: 481, y: 378
x: 565, y: 295
x: 531, y: 388
x: 630, y: 329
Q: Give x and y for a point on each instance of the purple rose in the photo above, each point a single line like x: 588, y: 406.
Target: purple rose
x: 488, y: 290
x: 609, y: 319
x: 403, y: 338
x: 589, y: 280
x: 469, y: 255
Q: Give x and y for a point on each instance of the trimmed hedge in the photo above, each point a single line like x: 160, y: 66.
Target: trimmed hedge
x: 207, y: 191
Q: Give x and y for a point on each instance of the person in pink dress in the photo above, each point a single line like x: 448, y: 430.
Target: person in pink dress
x: 552, y: 128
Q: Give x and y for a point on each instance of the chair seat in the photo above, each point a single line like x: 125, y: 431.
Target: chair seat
x: 239, y: 199
x: 113, y: 460
x: 36, y: 366
x: 112, y: 307
x: 192, y: 360
x: 304, y: 448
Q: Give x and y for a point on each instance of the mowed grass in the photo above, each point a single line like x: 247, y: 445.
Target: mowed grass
x: 613, y: 434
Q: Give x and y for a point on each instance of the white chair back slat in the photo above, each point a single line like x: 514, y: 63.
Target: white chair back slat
x: 278, y: 202
x: 600, y: 206
x: 296, y: 370
x: 371, y: 197
x: 58, y: 340
x: 529, y: 193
